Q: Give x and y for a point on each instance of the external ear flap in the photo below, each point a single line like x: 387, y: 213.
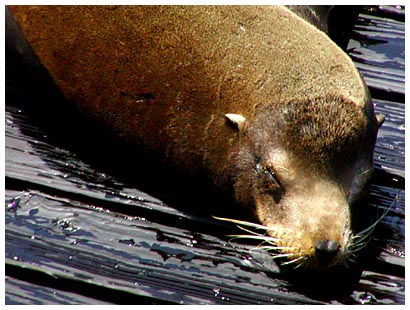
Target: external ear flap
x: 379, y: 119
x: 236, y: 121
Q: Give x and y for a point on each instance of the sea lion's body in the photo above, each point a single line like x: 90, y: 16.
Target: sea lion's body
x: 231, y: 93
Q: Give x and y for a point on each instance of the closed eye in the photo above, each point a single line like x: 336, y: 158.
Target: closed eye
x: 272, y: 175
x: 269, y: 181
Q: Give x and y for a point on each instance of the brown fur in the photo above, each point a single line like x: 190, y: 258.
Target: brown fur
x: 164, y: 77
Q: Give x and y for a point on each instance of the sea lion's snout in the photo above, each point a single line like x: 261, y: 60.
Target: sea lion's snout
x: 311, y: 223
x: 326, y: 250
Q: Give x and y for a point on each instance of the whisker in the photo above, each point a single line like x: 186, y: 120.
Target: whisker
x: 250, y: 231
x: 254, y: 225
x: 282, y: 255
x: 255, y: 251
x: 259, y: 226
x: 365, y: 232
x: 361, y: 246
x: 293, y: 261
x: 358, y: 239
x: 361, y: 241
x: 352, y: 260
x: 275, y: 248
x: 366, y: 171
x: 271, y: 248
x: 299, y: 265
x: 264, y: 238
x: 268, y: 244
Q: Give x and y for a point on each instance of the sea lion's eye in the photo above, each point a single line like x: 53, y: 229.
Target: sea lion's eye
x: 269, y: 181
x: 270, y: 172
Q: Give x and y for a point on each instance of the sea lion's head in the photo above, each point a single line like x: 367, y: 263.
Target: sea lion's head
x: 302, y: 165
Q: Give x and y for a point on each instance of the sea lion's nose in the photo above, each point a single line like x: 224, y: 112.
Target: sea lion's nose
x: 326, y: 249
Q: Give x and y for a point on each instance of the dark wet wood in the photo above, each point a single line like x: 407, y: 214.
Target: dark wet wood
x: 21, y: 292
x: 76, y: 234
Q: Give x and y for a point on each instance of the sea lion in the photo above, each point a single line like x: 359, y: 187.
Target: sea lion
x: 252, y: 98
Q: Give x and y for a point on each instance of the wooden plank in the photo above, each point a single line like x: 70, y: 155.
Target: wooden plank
x: 389, y: 152
x: 21, y: 292
x: 377, y: 49
x: 70, y: 240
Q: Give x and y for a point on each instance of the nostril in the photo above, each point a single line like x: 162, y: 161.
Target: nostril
x: 326, y: 249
